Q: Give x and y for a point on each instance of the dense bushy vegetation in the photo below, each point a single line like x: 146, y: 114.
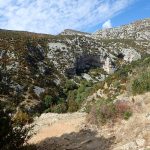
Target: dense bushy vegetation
x: 74, y: 95
x: 142, y: 83
x: 13, y: 135
x: 105, y: 110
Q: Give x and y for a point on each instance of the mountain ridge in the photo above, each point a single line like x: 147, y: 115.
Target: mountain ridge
x: 133, y: 30
x: 69, y: 31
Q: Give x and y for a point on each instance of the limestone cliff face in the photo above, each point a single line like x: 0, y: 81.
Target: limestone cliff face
x: 108, y: 67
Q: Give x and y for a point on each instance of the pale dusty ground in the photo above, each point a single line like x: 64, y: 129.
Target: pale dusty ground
x: 66, y: 124
x: 68, y: 132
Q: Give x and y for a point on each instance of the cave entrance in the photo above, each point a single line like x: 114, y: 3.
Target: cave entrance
x: 83, y: 64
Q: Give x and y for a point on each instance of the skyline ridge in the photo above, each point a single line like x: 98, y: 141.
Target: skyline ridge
x: 73, y: 30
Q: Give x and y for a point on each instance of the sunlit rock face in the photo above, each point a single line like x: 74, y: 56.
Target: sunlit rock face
x: 139, y: 30
x: 108, y: 66
x: 73, y: 32
x: 130, y: 55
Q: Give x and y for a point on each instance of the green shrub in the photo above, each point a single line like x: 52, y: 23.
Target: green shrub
x: 81, y: 88
x: 69, y: 85
x: 12, y: 136
x: 78, y: 95
x: 117, y: 85
x: 22, y: 118
x: 127, y: 115
x: 105, y: 110
x: 141, y: 84
x: 48, y: 101
x: 47, y: 110
x: 72, y: 106
x: 59, y: 108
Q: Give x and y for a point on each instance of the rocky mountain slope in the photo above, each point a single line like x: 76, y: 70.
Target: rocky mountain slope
x: 35, y: 65
x: 74, y: 32
x: 139, y: 30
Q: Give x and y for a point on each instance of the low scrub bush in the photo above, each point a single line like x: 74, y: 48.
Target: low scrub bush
x: 102, y: 112
x: 72, y: 106
x: 127, y: 115
x: 141, y: 84
x: 105, y: 111
x: 22, y: 118
x: 123, y: 109
x: 47, y: 110
x: 59, y: 108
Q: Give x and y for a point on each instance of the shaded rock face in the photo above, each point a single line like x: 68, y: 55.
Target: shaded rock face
x: 35, y: 55
x: 120, y: 56
x: 83, y: 64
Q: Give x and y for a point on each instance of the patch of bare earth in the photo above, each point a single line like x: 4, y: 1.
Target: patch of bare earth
x: 71, y: 131
x: 64, y: 124
x: 67, y: 132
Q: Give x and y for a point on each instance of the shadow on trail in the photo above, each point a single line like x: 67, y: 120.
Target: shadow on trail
x: 83, y: 140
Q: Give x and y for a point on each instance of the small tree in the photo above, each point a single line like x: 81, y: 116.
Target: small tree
x: 70, y: 85
x: 72, y: 104
x: 48, y: 101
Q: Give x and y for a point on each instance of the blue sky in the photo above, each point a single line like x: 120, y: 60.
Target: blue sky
x: 53, y: 16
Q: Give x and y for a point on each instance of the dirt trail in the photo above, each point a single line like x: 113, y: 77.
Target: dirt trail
x: 67, y: 132
x: 62, y: 125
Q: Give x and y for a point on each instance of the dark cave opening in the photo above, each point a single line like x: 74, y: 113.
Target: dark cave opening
x: 83, y: 64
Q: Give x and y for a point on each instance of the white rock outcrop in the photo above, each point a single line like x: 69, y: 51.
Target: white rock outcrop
x: 130, y: 54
